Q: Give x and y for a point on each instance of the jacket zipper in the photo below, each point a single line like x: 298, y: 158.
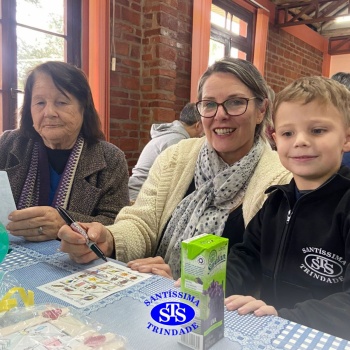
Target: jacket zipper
x: 285, y: 231
x: 289, y: 216
x: 279, y: 256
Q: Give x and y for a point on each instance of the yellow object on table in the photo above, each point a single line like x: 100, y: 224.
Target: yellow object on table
x: 9, y: 301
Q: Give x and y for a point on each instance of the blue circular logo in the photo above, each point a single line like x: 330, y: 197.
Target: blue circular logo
x: 172, y: 313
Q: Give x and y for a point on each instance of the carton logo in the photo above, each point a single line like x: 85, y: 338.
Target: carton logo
x: 172, y: 313
x: 215, y: 259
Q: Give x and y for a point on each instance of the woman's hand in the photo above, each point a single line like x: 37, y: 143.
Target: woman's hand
x: 246, y: 304
x: 74, y: 243
x: 156, y: 265
x: 35, y: 224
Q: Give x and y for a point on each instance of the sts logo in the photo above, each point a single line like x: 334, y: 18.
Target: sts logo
x: 322, y: 265
x: 172, y: 313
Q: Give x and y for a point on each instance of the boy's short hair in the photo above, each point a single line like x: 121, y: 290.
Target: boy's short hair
x: 324, y: 90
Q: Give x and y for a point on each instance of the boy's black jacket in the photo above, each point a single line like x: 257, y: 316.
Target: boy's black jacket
x: 298, y: 253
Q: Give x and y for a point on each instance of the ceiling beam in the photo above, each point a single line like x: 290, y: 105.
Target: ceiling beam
x: 339, y: 45
x: 293, y: 4
x: 317, y: 12
x: 292, y: 14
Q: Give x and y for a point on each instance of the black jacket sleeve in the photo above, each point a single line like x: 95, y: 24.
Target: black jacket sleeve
x: 244, y: 275
x: 243, y: 263
x: 330, y: 315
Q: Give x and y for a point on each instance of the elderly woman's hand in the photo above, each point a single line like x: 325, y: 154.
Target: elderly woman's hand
x: 35, y: 224
x: 156, y: 265
x: 74, y: 243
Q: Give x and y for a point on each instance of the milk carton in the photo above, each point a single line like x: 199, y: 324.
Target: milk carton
x: 203, y: 275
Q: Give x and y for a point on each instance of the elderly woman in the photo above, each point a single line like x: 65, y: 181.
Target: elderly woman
x: 214, y: 184
x: 58, y: 156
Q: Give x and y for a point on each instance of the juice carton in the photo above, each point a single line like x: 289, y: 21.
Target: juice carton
x: 203, y: 275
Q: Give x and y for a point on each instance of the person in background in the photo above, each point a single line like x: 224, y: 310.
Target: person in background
x: 343, y: 78
x: 296, y: 250
x: 211, y: 184
x: 269, y: 124
x: 58, y: 156
x: 163, y: 136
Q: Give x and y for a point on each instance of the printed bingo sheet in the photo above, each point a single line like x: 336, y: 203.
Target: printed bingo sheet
x: 88, y: 286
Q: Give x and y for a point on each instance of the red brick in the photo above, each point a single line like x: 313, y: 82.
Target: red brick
x: 162, y: 104
x: 130, y: 83
x: 120, y: 112
x: 163, y: 72
x: 135, y: 52
x: 167, y: 21
x: 131, y: 63
x: 128, y: 144
x: 130, y: 16
x: 162, y: 83
x: 163, y: 115
x: 152, y: 32
x: 166, y: 52
x: 122, y: 49
x: 146, y: 87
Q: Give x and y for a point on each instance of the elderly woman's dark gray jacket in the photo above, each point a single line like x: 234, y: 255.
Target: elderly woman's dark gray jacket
x: 100, y: 186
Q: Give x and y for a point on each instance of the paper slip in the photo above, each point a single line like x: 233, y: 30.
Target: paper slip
x: 88, y: 286
x: 7, y: 202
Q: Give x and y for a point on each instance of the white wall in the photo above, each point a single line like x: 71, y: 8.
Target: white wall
x: 339, y: 63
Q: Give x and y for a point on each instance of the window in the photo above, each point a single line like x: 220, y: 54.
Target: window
x: 31, y: 32
x: 231, y: 31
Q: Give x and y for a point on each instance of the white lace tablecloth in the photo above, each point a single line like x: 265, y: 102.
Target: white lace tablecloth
x: 124, y: 313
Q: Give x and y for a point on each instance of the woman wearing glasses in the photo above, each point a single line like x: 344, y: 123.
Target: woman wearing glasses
x: 214, y: 184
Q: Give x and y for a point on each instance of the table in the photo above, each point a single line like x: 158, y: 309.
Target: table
x: 124, y: 313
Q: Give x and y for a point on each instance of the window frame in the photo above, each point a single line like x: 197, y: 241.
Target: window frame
x: 230, y: 39
x: 9, y: 89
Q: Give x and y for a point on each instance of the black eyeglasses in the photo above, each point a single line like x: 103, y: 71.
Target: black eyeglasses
x: 233, y: 107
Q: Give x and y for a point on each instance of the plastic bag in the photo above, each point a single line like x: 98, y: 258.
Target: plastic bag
x: 12, y: 294
x: 54, y: 327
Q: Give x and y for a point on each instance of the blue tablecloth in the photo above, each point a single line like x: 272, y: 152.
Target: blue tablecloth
x: 124, y: 313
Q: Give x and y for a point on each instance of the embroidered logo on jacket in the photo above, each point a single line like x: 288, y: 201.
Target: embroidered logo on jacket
x: 322, y: 265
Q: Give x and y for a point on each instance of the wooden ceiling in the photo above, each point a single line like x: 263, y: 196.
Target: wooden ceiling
x: 320, y: 15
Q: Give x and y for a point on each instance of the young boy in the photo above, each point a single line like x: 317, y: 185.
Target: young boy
x: 297, y: 248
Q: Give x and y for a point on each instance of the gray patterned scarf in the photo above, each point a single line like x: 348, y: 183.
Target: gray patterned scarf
x: 220, y: 188
x: 36, y: 187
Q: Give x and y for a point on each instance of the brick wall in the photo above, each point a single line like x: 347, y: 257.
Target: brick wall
x: 289, y: 58
x: 151, y: 83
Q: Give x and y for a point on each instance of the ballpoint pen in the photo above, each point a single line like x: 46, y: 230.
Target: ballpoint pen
x: 77, y: 228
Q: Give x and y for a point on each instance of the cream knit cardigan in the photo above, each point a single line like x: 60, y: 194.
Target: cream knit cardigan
x: 138, y: 228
